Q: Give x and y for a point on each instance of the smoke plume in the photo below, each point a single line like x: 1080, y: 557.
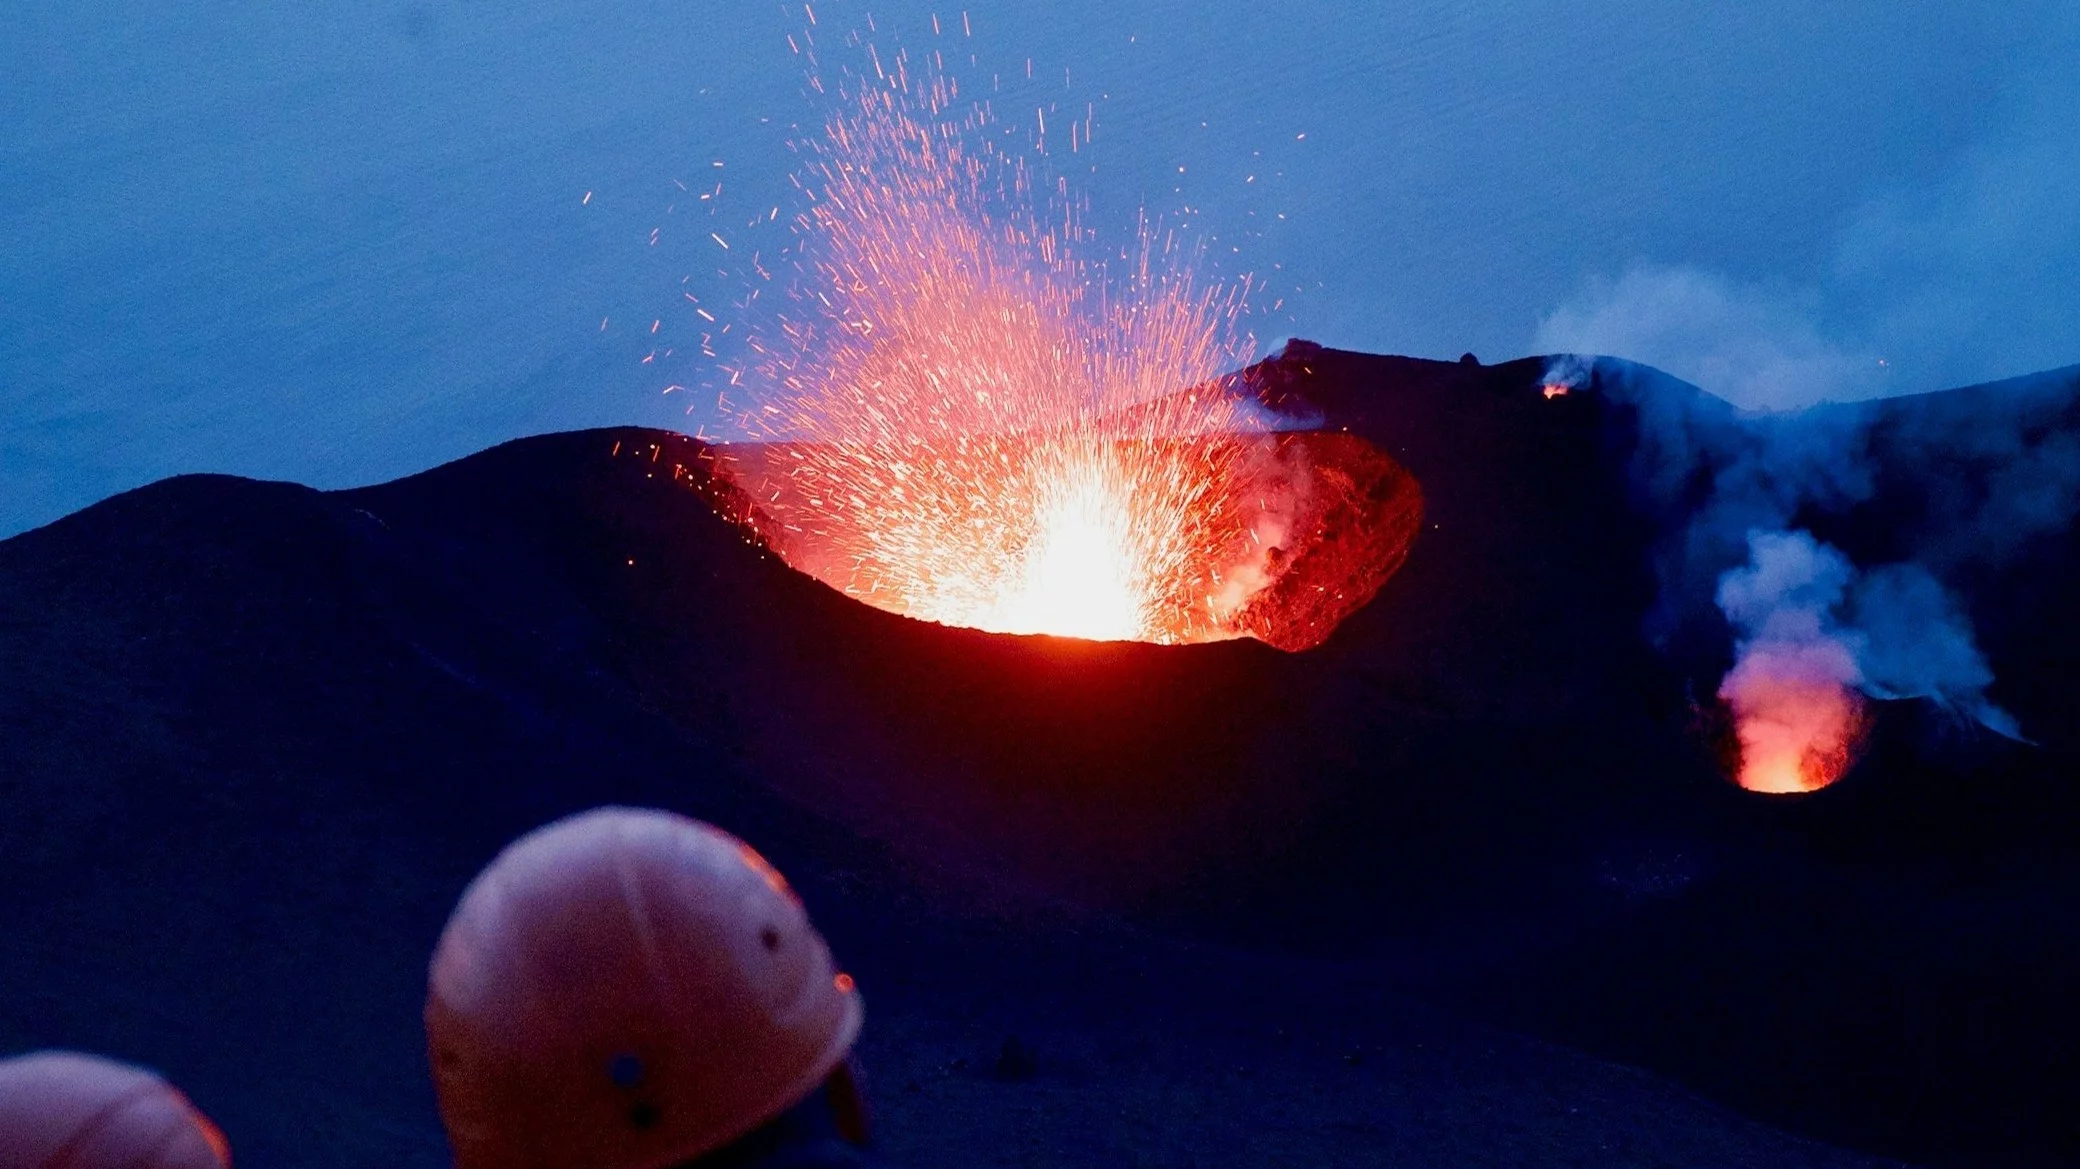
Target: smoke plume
x: 1815, y: 633
x: 1793, y: 686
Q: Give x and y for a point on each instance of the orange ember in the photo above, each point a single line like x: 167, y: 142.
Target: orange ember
x: 972, y: 416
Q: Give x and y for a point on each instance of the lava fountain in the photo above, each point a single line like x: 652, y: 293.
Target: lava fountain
x: 969, y: 413
x: 1081, y: 574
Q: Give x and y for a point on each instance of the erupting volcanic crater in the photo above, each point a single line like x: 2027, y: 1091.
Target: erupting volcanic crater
x: 959, y: 404
x: 1275, y: 535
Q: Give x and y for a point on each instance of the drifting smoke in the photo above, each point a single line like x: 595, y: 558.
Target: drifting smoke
x: 1753, y: 348
x: 1918, y: 644
x: 1281, y: 483
x: 1930, y: 284
x: 1815, y: 634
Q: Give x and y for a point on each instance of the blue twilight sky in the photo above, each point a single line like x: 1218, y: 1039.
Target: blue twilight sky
x: 337, y: 242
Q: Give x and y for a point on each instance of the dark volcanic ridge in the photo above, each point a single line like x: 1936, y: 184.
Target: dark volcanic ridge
x: 254, y: 738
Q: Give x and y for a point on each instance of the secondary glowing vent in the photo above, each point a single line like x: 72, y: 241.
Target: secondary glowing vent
x: 1796, y: 732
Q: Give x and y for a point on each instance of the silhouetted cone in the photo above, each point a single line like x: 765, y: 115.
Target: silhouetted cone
x: 257, y: 728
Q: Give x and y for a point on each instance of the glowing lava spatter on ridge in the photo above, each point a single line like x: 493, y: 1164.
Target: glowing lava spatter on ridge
x: 972, y: 417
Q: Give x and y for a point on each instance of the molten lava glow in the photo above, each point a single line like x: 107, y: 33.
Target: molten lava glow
x: 978, y: 408
x: 1080, y: 575
x: 1799, y: 726
x: 1796, y: 684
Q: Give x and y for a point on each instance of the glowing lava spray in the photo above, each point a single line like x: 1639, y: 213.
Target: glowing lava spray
x: 972, y: 415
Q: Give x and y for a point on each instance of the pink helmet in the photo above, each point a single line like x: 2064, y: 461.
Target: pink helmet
x: 627, y: 989
x: 63, y: 1110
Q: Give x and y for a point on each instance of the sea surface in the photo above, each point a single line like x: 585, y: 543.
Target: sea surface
x: 338, y: 242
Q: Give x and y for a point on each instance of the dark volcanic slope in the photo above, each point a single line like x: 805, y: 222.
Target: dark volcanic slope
x: 254, y: 738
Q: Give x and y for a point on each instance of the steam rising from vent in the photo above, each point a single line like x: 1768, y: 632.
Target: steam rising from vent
x: 1816, y: 636
x: 1793, y: 689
